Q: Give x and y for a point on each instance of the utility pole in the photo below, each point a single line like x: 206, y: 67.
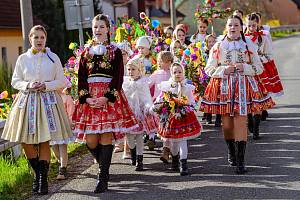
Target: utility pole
x: 173, y: 13
x: 27, y: 22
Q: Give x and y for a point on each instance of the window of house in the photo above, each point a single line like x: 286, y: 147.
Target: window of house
x: 4, y: 54
x: 20, y: 50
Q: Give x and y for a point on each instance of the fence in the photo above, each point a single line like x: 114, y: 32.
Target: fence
x: 4, y: 145
x: 291, y: 28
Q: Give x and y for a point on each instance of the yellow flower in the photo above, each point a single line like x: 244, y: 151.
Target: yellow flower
x: 4, y: 95
x: 166, y: 97
x: 198, y: 45
x: 168, y: 41
x: 90, y: 41
x: 172, y: 105
x: 72, y: 46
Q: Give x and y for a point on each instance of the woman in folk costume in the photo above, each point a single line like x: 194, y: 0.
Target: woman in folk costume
x: 177, y: 125
x: 38, y: 115
x: 234, y: 90
x: 102, y: 113
x: 269, y: 78
x: 136, y: 89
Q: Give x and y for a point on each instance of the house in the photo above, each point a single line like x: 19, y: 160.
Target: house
x: 11, y: 40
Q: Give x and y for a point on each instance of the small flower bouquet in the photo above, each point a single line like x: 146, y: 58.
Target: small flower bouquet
x: 172, y: 105
x: 5, y: 105
x: 71, y: 69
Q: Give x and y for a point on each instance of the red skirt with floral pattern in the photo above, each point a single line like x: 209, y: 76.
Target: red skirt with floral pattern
x: 250, y: 96
x: 116, y: 118
x: 184, y: 128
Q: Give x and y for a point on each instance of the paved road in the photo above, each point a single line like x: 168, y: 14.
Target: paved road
x: 273, y: 161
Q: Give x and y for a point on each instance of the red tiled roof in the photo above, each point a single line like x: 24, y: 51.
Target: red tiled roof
x: 10, y: 16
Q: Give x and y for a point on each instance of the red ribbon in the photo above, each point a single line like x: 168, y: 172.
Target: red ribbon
x: 255, y: 35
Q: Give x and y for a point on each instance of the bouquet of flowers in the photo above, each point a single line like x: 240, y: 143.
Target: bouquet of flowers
x: 172, y: 105
x: 71, y: 69
x: 194, y: 62
x: 5, y: 105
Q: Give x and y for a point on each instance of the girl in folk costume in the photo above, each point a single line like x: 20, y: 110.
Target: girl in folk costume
x: 269, y: 78
x: 61, y: 149
x: 102, y: 113
x: 143, y: 44
x: 180, y: 34
x: 178, y: 122
x: 209, y: 42
x: 126, y: 54
x: 199, y: 36
x: 263, y: 40
x: 177, y: 50
x: 233, y: 90
x: 164, y: 60
x: 37, y: 115
x: 137, y: 91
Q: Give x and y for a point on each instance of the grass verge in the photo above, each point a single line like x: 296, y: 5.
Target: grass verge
x: 16, y: 175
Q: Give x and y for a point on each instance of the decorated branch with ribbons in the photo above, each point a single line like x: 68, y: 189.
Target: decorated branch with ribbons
x: 210, y: 10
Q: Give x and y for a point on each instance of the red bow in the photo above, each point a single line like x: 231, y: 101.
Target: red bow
x: 255, y: 35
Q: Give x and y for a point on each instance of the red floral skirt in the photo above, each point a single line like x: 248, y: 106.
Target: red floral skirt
x: 115, y: 117
x: 147, y: 124
x: 186, y: 127
x: 250, y: 96
x: 271, y: 80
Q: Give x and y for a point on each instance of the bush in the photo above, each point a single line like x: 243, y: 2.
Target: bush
x: 5, y: 81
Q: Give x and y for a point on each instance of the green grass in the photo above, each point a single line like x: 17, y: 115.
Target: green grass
x: 16, y: 176
x: 276, y: 35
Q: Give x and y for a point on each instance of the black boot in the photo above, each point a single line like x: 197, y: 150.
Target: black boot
x: 175, y: 163
x: 43, y: 180
x: 240, y: 148
x: 34, y: 163
x: 105, y: 159
x: 183, y: 167
x: 95, y: 152
x: 218, y: 121
x: 133, y: 156
x: 231, y: 152
x: 256, y: 122
x: 139, y: 166
x: 264, y: 115
x: 204, y: 117
x: 209, y: 118
x: 250, y: 122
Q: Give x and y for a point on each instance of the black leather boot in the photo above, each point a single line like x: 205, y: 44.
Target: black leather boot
x: 139, y: 166
x: 133, y: 156
x: 43, y: 180
x: 250, y: 122
x: 105, y: 157
x: 240, y: 149
x: 218, y: 121
x: 95, y: 152
x: 209, y: 118
x: 264, y: 115
x: 231, y: 152
x: 175, y: 163
x: 256, y: 122
x: 183, y: 167
x: 34, y: 163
